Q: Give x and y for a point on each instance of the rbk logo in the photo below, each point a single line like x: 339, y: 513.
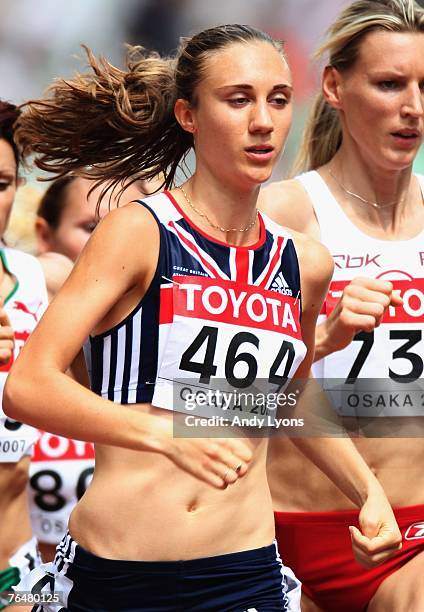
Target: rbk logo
x: 356, y: 261
x: 415, y: 532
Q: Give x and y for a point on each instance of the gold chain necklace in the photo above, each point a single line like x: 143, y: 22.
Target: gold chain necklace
x: 218, y: 227
x: 361, y: 199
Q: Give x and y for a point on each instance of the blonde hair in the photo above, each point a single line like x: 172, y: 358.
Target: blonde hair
x: 323, y: 135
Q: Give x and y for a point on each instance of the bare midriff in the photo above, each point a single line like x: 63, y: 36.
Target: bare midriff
x: 141, y: 506
x: 396, y: 462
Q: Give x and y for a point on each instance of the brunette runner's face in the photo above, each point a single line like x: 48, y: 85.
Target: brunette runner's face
x: 8, y: 182
x: 382, y: 98
x: 78, y: 219
x: 243, y: 113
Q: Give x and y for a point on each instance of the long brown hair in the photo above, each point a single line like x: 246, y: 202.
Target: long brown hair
x: 323, y: 135
x: 118, y: 125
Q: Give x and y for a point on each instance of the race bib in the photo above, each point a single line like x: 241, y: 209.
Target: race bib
x: 391, y: 358
x: 226, y: 336
x: 60, y: 472
x: 16, y: 439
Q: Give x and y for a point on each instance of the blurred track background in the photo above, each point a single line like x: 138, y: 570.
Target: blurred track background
x: 40, y: 41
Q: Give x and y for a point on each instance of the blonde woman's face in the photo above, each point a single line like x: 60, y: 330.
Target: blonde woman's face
x: 382, y: 99
x: 8, y: 182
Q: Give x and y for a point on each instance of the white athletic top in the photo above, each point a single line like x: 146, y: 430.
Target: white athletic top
x: 394, y: 352
x: 24, y: 307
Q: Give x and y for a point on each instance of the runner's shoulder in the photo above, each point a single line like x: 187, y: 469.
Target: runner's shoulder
x: 287, y: 203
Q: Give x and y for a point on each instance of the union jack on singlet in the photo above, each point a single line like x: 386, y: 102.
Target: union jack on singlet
x: 212, y: 311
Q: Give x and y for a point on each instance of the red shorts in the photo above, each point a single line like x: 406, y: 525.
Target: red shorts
x: 317, y: 547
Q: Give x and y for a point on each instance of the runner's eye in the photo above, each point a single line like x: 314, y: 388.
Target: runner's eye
x: 5, y: 184
x: 238, y: 101
x: 89, y: 227
x: 389, y: 85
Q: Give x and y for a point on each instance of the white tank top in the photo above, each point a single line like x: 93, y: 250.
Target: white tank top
x: 392, y: 355
x: 24, y: 307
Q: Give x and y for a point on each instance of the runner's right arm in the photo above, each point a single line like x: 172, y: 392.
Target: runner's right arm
x: 121, y: 255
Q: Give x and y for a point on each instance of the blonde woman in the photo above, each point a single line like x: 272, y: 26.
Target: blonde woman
x: 360, y: 197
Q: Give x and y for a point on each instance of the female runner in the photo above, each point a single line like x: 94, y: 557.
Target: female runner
x: 23, y: 299
x: 177, y: 286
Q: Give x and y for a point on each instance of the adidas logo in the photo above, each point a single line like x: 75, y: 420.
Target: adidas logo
x: 280, y: 285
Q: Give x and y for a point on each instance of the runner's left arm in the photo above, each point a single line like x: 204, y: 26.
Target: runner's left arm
x: 329, y: 447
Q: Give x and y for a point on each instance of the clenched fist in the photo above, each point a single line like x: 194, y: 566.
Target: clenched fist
x: 360, y: 308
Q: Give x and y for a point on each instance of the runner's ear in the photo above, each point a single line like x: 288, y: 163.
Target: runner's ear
x: 185, y: 115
